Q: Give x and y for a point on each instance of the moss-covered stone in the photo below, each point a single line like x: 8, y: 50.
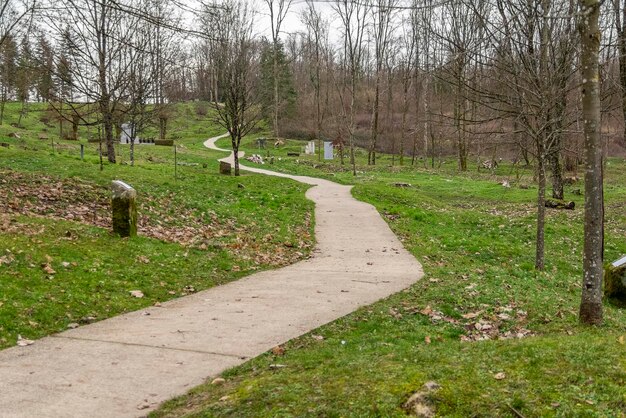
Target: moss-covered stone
x: 615, y: 283
x: 124, y: 209
x: 225, y: 168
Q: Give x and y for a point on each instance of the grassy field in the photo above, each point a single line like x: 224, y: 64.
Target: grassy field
x: 499, y: 338
x: 59, y: 264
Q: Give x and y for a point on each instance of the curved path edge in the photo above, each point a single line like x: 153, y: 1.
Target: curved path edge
x: 127, y: 365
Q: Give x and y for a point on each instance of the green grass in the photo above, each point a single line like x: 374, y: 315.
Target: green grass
x: 475, y: 239
x: 197, y: 230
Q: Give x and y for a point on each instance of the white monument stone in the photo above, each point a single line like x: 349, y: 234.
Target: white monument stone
x: 328, y: 150
x: 309, y: 149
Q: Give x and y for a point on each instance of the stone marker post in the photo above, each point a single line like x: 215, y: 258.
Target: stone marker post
x: 124, y: 208
x: 225, y: 168
x: 615, y: 280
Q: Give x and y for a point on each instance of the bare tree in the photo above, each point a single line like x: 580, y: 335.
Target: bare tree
x: 619, y: 10
x: 317, y: 36
x: 236, y: 66
x: 97, y: 33
x: 382, y: 15
x: 407, y: 64
x: 13, y: 14
x: 353, y: 16
x: 593, y: 253
x: 532, y: 80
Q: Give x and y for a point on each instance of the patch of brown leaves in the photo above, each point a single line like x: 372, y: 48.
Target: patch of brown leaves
x: 32, y: 194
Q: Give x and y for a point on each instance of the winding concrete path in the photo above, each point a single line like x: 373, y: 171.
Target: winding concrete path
x: 127, y: 365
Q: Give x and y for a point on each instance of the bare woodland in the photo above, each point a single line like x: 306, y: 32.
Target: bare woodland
x: 425, y: 80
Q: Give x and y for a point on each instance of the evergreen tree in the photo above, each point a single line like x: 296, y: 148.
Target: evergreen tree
x: 286, y: 90
x: 45, y: 69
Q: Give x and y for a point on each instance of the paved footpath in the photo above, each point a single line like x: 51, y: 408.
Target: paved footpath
x: 127, y: 365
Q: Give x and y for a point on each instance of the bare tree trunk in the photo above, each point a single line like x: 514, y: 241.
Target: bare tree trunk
x: 371, y: 155
x: 75, y: 122
x: 554, y: 159
x: 593, y: 254
x: 2, y: 103
x: 541, y: 208
x: 405, y: 110
x: 235, y: 143
x: 352, y: 127
x: 620, y: 26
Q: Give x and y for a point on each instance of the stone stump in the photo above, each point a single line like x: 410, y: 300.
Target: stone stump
x: 124, y: 208
x: 615, y: 281
x: 225, y: 168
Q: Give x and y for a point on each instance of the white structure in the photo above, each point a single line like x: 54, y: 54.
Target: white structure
x: 619, y: 263
x: 126, y: 137
x: 328, y: 150
x: 309, y: 149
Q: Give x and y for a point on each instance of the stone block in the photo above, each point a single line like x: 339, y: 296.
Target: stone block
x: 124, y: 209
x: 225, y: 168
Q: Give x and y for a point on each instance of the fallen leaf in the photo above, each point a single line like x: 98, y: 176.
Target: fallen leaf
x: 499, y: 376
x: 471, y: 315
x: 315, y: 337
x: 143, y: 259
x: 23, y: 342
x: 218, y: 381
x: 278, y: 350
x: 136, y: 293
x: 427, y: 310
x: 47, y: 269
x: 427, y: 339
x: 621, y: 339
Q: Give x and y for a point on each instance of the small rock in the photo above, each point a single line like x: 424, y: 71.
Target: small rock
x: 87, y: 319
x: 277, y: 366
x: 432, y: 385
x: 23, y: 342
x: 499, y: 376
x: 224, y: 398
x: 72, y: 325
x: 136, y: 293
x: 218, y: 381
